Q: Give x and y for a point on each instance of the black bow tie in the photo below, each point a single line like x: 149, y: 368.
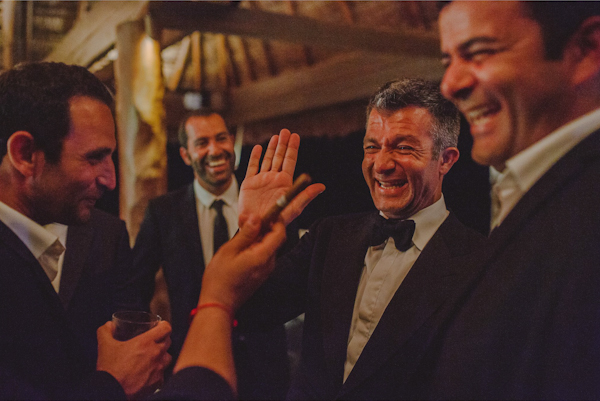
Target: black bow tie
x: 400, y: 230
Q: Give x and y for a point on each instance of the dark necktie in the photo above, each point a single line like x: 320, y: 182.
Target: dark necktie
x: 220, y: 233
x: 400, y: 230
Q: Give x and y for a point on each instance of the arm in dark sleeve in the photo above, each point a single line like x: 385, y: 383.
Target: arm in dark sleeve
x: 147, y: 257
x: 283, y: 296
x: 195, y: 383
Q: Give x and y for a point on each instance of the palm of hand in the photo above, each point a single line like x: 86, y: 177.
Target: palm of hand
x: 261, y: 191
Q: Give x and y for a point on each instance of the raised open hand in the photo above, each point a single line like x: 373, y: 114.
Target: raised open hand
x: 263, y: 186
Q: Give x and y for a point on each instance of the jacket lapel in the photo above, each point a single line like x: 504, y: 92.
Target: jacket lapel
x: 559, y: 175
x: 42, y: 282
x: 342, y: 271
x: 411, y: 306
x: 79, y: 240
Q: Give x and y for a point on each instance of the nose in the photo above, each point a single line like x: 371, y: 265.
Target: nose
x: 107, y: 177
x: 214, y: 149
x: 458, y: 82
x: 384, y: 162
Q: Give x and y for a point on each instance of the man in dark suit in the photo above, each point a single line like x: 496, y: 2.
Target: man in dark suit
x: 371, y: 296
x: 96, y: 263
x: 180, y: 233
x: 526, y: 75
x: 56, y: 140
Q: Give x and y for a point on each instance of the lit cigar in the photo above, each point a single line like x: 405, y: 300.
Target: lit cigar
x: 272, y: 214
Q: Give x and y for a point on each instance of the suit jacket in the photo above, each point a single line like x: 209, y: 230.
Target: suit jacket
x: 169, y: 237
x: 320, y: 277
x: 92, y: 285
x: 40, y: 354
x: 528, y: 325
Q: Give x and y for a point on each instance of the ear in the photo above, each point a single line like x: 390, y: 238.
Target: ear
x: 584, y: 46
x: 447, y: 158
x: 22, y: 154
x: 185, y: 155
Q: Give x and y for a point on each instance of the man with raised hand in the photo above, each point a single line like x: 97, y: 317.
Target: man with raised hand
x: 371, y: 284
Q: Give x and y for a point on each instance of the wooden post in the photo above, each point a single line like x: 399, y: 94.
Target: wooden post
x: 141, y: 130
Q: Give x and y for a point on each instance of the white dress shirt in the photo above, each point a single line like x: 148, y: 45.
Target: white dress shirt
x: 35, y: 237
x: 524, y: 169
x: 385, y: 269
x: 206, y: 214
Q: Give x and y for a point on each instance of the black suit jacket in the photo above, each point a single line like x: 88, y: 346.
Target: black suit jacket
x: 40, y: 354
x: 169, y: 237
x: 529, y: 324
x: 93, y: 281
x: 320, y: 277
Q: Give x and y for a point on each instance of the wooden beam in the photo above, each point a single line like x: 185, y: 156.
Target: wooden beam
x: 343, y: 78
x: 8, y: 33
x: 95, y: 32
x: 182, y: 55
x: 189, y: 16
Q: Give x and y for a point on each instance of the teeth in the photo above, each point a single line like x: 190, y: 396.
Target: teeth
x: 387, y: 185
x: 481, y: 115
x: 216, y: 163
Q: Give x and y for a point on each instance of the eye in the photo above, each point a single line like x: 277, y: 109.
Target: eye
x: 370, y: 148
x: 479, y: 55
x: 405, y: 148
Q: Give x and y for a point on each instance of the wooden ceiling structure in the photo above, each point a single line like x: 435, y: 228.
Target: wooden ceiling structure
x: 307, y: 64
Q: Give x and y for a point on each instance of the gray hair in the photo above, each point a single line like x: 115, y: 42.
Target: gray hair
x: 401, y: 93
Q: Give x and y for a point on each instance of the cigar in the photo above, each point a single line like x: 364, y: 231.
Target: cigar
x: 273, y: 213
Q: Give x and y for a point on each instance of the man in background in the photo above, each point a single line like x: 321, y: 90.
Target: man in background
x: 182, y: 230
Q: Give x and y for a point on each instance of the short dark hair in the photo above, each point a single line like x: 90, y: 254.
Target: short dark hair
x: 396, y: 95
x: 201, y: 112
x: 35, y: 98
x: 558, y: 19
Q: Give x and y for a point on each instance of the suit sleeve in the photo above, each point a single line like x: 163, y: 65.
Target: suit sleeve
x: 147, y: 256
x: 283, y: 296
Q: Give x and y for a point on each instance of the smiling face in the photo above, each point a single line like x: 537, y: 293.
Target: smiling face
x: 398, y: 163
x: 66, y: 191
x: 498, y: 76
x: 210, y: 152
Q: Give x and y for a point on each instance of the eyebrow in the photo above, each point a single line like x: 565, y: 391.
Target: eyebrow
x: 99, y: 153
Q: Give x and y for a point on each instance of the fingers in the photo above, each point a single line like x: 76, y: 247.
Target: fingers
x: 280, y: 152
x: 291, y: 154
x: 267, y: 160
x: 296, y: 206
x: 253, y: 163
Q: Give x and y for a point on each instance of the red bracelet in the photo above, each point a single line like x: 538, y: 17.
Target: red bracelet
x: 213, y: 305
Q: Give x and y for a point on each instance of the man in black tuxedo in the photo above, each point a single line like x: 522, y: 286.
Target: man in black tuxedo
x: 371, y: 296
x: 56, y: 140
x: 180, y: 233
x: 526, y: 75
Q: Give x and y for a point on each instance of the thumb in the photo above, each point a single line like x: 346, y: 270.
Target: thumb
x: 105, y: 331
x: 247, y: 234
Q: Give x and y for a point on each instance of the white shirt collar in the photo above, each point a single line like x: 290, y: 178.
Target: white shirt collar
x: 230, y: 195
x: 427, y: 221
x: 525, y: 168
x: 35, y: 237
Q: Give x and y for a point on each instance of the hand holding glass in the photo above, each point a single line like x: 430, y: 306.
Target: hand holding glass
x: 129, y: 324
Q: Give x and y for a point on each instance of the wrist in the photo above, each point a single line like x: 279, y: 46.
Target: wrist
x: 216, y: 306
